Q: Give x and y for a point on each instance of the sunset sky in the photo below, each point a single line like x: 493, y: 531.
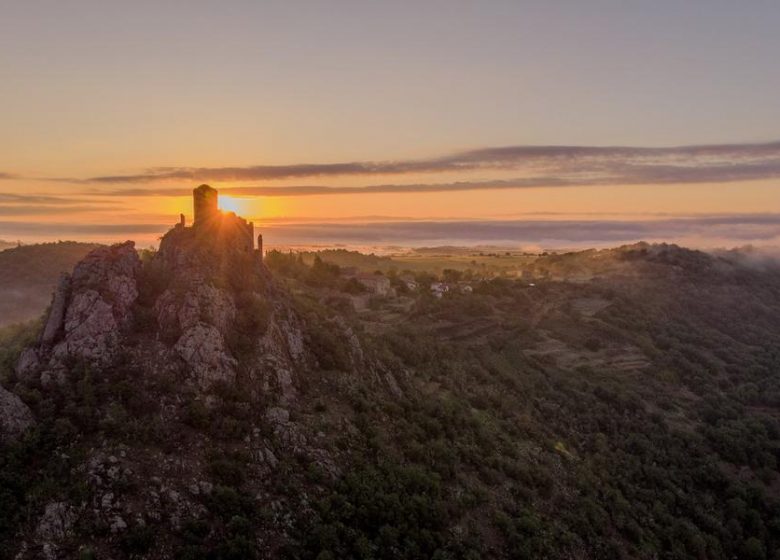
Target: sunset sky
x: 528, y: 122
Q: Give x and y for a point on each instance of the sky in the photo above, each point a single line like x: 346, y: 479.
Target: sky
x: 556, y: 122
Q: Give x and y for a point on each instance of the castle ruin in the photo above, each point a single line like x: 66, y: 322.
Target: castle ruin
x: 213, y: 226
x: 224, y: 225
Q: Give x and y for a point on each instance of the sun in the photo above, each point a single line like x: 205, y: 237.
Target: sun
x: 234, y: 204
x: 250, y: 207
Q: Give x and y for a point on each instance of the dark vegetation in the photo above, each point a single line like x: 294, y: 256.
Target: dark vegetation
x: 675, y: 458
x: 631, y: 416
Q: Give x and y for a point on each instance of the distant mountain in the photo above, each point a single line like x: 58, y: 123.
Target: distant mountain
x: 29, y: 274
x: 200, y: 403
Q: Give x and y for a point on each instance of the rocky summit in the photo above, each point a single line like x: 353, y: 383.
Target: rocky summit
x: 178, y: 309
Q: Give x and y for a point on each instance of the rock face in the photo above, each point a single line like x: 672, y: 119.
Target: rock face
x: 221, y: 307
x: 15, y: 417
x: 90, y: 310
x: 198, y: 315
x: 54, y: 526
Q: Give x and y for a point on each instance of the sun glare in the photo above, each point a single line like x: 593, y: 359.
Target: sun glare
x: 234, y: 204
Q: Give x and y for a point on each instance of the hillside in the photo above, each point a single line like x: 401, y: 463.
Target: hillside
x: 28, y: 275
x: 613, y: 404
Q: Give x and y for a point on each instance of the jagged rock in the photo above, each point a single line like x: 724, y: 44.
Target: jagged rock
x: 282, y: 353
x: 203, y: 349
x: 55, y: 525
x: 15, y: 416
x: 28, y: 363
x: 102, y: 291
x: 201, y: 313
x: 393, y: 384
x: 278, y: 415
x: 90, y: 309
x: 285, y: 334
x: 118, y: 524
x: 356, y: 355
x: 57, y: 314
x: 185, y: 309
x: 90, y: 329
x: 107, y: 500
x: 270, y: 458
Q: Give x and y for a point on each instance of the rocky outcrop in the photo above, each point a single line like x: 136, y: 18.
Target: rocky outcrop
x: 282, y: 353
x: 198, y: 317
x: 54, y: 526
x: 15, y: 417
x: 202, y: 348
x: 90, y: 310
x: 210, y: 305
x: 221, y: 311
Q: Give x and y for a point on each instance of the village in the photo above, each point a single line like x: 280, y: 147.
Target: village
x: 380, y: 285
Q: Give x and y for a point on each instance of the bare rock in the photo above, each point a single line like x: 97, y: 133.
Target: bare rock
x: 56, y: 317
x: 278, y: 416
x: 203, y: 350
x: 15, y: 416
x: 91, y: 329
x: 28, y: 363
x: 89, y: 311
x: 118, y: 524
x: 113, y: 271
x: 199, y: 314
x: 270, y: 458
x: 200, y: 303
x: 55, y: 525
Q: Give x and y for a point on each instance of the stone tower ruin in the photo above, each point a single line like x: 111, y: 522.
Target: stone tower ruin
x: 206, y: 203
x: 213, y: 225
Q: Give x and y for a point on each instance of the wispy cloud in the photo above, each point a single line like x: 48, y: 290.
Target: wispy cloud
x: 58, y: 200
x: 50, y: 210
x: 314, y: 190
x: 65, y: 230
x: 8, y: 176
x: 535, y: 166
